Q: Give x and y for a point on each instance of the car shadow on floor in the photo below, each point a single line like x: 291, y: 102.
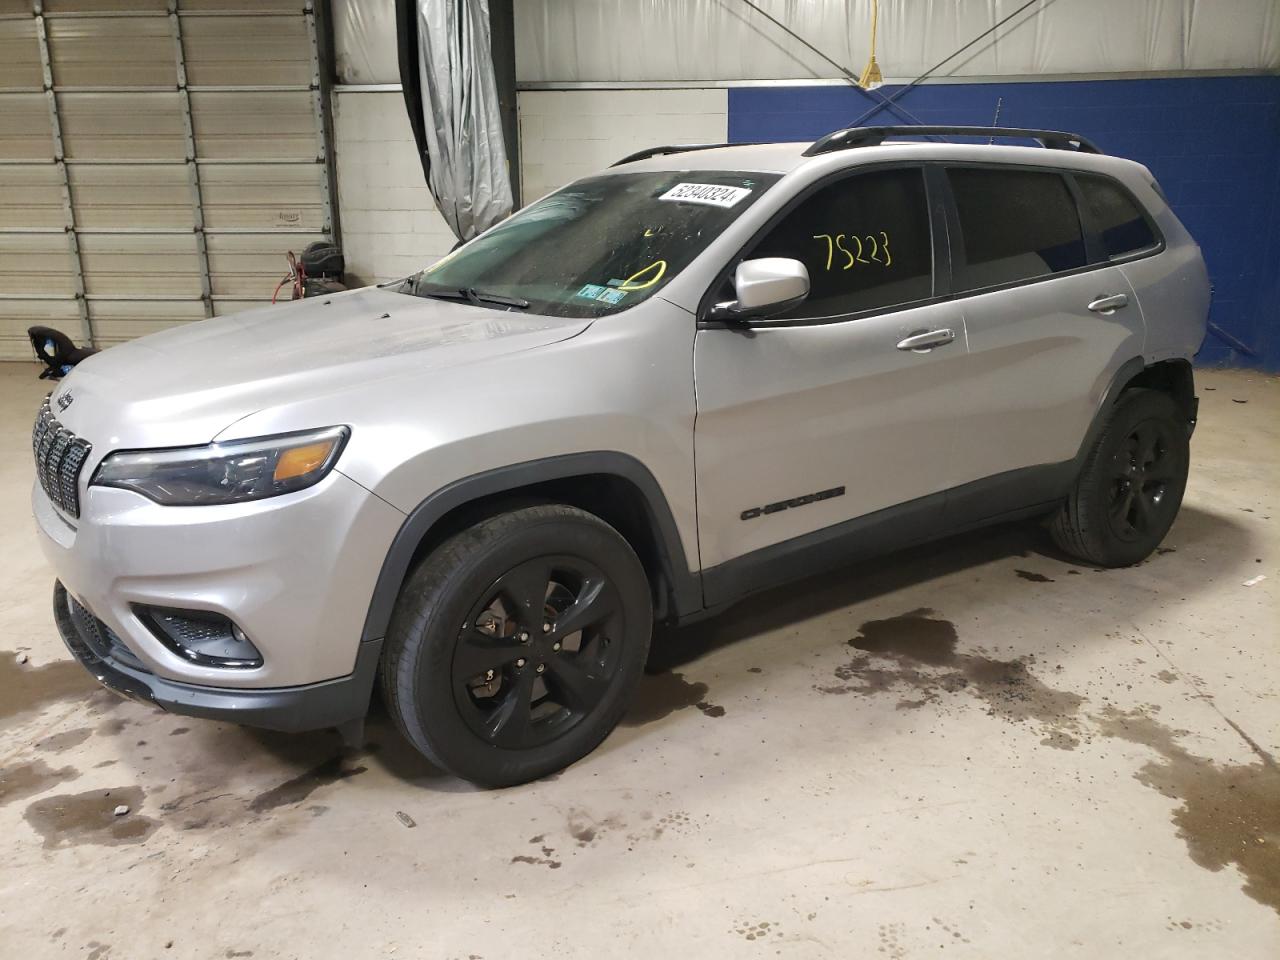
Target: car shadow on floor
x: 1196, y: 533
x: 778, y: 608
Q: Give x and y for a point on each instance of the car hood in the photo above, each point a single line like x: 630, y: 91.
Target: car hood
x: 187, y: 384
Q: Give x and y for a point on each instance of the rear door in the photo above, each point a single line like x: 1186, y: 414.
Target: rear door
x: 1049, y: 318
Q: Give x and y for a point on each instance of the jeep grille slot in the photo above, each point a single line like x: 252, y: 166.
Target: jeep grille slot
x: 60, y: 456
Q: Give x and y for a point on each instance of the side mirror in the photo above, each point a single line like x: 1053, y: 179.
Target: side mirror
x: 765, y: 287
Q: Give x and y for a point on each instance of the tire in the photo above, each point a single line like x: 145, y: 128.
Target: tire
x: 464, y: 687
x: 1130, y: 488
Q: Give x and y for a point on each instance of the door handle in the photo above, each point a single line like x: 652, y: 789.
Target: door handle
x: 1109, y: 305
x: 927, y: 340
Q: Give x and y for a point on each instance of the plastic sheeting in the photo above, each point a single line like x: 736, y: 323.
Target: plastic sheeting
x: 462, y: 130
x: 690, y: 40
x: 364, y: 40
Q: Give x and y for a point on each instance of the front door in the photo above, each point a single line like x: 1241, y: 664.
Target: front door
x: 826, y: 413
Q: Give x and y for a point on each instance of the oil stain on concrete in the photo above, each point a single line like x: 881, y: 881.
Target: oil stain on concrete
x: 28, y: 779
x: 587, y: 830
x: 537, y: 861
x: 546, y: 860
x: 661, y: 694
x: 69, y: 820
x: 917, y: 651
x: 112, y: 727
x: 58, y: 742
x: 1033, y: 576
x: 24, y: 687
x: 1229, y: 813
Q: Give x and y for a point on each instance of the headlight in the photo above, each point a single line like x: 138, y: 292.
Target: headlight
x: 226, y: 472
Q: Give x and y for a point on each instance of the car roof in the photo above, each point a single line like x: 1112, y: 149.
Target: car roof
x: 784, y: 158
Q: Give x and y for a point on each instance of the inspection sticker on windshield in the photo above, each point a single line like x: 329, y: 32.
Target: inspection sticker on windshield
x: 593, y: 291
x: 715, y: 194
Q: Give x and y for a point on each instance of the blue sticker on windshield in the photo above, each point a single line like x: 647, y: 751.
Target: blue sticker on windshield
x: 593, y: 291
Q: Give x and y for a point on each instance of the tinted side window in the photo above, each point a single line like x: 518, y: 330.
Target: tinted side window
x: 865, y: 240
x: 1115, y: 215
x: 1016, y: 225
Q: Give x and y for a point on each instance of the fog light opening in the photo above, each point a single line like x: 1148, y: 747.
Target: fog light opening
x: 201, y: 636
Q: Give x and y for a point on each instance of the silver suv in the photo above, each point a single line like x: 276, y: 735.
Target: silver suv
x: 706, y: 371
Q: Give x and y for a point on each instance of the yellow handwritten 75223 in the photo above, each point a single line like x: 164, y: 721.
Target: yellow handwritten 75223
x: 836, y: 242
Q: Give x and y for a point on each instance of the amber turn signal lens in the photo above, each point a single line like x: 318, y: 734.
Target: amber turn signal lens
x: 300, y: 461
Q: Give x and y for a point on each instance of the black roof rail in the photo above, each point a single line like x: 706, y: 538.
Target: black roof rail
x: 671, y: 148
x: 851, y: 137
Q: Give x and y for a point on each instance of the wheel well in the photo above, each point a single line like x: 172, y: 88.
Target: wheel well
x: 1173, y: 377
x: 612, y: 498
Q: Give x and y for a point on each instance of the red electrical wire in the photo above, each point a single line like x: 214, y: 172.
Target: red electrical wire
x: 298, y: 274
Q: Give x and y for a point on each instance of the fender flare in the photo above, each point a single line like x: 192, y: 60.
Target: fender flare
x: 1128, y: 370
x: 684, y: 585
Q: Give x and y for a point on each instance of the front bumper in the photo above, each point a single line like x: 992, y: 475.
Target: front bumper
x: 330, y: 703
x: 294, y: 572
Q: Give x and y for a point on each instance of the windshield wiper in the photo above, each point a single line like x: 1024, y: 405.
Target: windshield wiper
x: 472, y: 295
x: 479, y: 296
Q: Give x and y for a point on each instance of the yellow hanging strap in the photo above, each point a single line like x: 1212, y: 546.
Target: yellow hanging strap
x: 871, y: 77
x: 657, y: 268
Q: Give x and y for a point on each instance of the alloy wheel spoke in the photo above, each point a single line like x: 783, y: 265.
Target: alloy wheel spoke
x: 1147, y: 439
x: 1124, y: 461
x: 1143, y: 509
x: 591, y: 606
x: 525, y: 589
x: 1161, y: 473
x: 1121, y: 509
x: 508, y: 725
x: 573, y: 682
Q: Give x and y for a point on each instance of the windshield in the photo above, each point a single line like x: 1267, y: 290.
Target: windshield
x: 597, y: 246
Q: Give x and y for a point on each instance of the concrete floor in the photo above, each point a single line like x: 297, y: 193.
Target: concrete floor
x: 975, y: 749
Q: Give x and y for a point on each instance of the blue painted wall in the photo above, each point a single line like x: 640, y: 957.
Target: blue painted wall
x: 1212, y: 142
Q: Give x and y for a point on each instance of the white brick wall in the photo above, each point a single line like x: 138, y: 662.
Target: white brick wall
x: 566, y: 134
x: 390, y: 226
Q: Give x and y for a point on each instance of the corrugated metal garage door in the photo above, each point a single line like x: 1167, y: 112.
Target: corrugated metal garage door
x: 157, y: 160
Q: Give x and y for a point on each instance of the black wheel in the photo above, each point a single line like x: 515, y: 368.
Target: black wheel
x: 1129, y: 491
x: 515, y: 646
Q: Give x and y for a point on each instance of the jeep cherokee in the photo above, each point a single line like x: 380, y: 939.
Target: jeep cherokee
x: 706, y: 371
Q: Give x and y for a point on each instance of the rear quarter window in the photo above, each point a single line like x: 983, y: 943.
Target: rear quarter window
x: 1115, y: 215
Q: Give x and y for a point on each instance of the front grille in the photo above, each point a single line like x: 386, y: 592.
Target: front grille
x: 60, y: 456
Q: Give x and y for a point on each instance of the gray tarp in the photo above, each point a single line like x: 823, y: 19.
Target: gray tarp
x: 469, y: 177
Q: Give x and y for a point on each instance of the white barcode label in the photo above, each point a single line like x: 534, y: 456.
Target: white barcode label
x: 711, y: 193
